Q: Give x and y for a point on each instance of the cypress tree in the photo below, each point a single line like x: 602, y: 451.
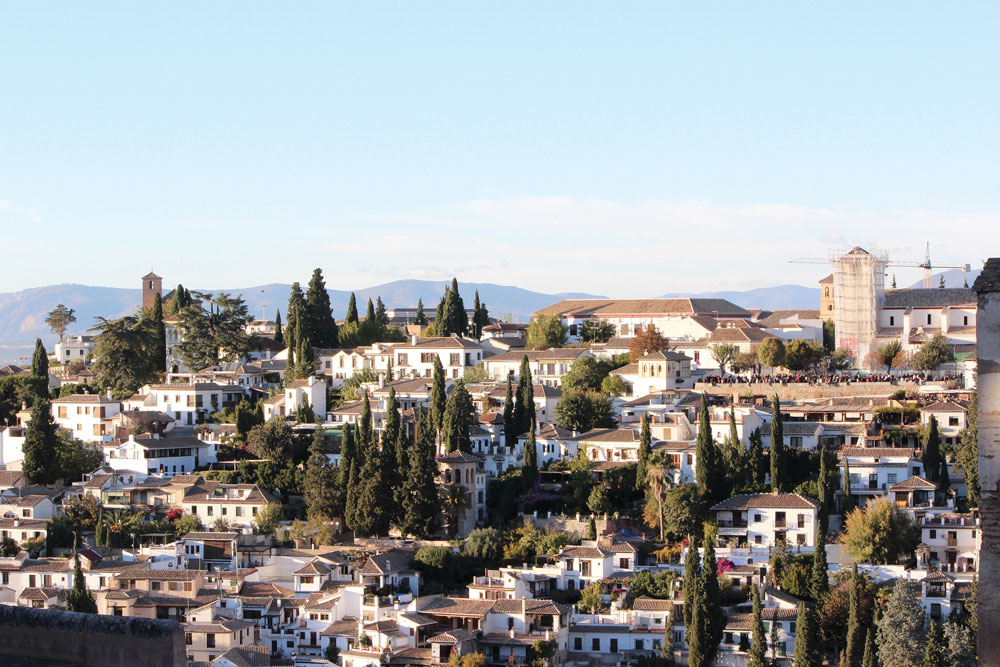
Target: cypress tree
x: 692, y: 575
x: 855, y: 633
x: 756, y: 455
x: 402, y: 465
x: 374, y: 498
x: 459, y: 412
x: 819, y: 580
x: 714, y: 621
x: 778, y: 476
x: 347, y: 456
x: 870, y: 658
x: 458, y: 320
x: 734, y: 436
x: 645, y: 449
x: 381, y: 315
x: 944, y: 479
x: 320, y: 488
x: 480, y: 317
x: 305, y: 364
x: 845, y: 491
x: 705, y: 455
x: 321, y: 327
x: 296, y: 314
x: 529, y: 469
x: 79, y: 598
x: 366, y: 434
x: 40, y: 361
x: 159, y: 353
x: 352, y: 310
x: 39, y: 449
x: 823, y: 486
x: 758, y: 643
x: 805, y: 640
x: 279, y: 336
x: 932, y: 451
x: 420, y: 503
x: 509, y: 429
x: 390, y: 440
x: 934, y: 648
x: 441, y: 316
x: 524, y: 409
x: 420, y: 318
x: 592, y: 529
x: 354, y: 486
x: 438, y: 396
x: 694, y: 608
x: 370, y: 315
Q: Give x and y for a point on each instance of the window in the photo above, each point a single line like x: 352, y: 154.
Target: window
x: 572, y: 332
x: 210, y: 640
x: 223, y: 510
x: 26, y: 513
x: 952, y: 421
x: 613, y: 645
x: 595, y: 644
x: 239, y: 511
x: 892, y: 321
x: 800, y: 539
x: 928, y: 318
x: 578, y: 643
x: 891, y: 478
x: 187, y: 638
x: 639, y: 645
x: 933, y: 534
x: 802, y: 521
x: 209, y: 512
x: 965, y: 321
x: 427, y: 357
x: 454, y: 359
x: 796, y: 441
x: 757, y: 539
x: 757, y: 518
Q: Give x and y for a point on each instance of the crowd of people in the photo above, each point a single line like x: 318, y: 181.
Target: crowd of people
x: 823, y: 378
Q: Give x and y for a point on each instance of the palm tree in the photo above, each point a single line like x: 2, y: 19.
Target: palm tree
x: 658, y: 482
x: 455, y: 501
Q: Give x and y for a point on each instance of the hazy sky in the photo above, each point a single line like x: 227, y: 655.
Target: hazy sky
x: 619, y: 148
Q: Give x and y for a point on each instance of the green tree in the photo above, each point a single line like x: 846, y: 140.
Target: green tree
x: 841, y: 359
x: 657, y: 512
x: 78, y: 598
x: 480, y: 317
x: 393, y: 440
x: 375, y: 496
x: 724, y: 354
x: 216, y: 334
x: 694, y: 608
x: 305, y: 361
x: 159, y: 343
x: 771, y: 353
x: 352, y: 310
x: 801, y: 354
x: 870, y: 658
x: 714, y: 618
x: 279, y: 336
x: 900, y: 629
x: 645, y: 450
x: 823, y: 490
x: 296, y: 312
x: 933, y: 353
x: 59, y: 319
x: 758, y: 643
x: 959, y: 646
x: 272, y: 440
x: 320, y: 489
x: 122, y: 355
x: 420, y: 318
x: 819, y: 582
x: 459, y: 412
x: 524, y: 408
x: 317, y: 323
x: 587, y: 373
x: 934, y: 647
x: 967, y: 453
x: 439, y: 400
x: 806, y: 640
x: 485, y: 544
x: 39, y: 449
x: 778, y: 464
x: 597, y: 331
x: 40, y: 361
x: 756, y: 463
x: 613, y: 385
x: 348, y: 456
x: 932, y: 451
x: 509, y: 427
x: 529, y: 469
x: 546, y: 331
x: 420, y: 502
x: 584, y: 410
x: 706, y: 457
x: 879, y: 533
x: 846, y: 496
x: 888, y: 351
x: 855, y: 630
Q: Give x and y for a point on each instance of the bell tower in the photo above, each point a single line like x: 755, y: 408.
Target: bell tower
x: 152, y: 285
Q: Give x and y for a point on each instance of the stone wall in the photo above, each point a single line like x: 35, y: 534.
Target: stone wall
x: 797, y: 390
x: 579, y: 524
x: 89, y: 640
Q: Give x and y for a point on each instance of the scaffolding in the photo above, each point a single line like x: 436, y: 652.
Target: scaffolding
x: 858, y: 296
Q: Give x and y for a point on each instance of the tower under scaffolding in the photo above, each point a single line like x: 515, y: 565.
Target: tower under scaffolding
x: 859, y: 294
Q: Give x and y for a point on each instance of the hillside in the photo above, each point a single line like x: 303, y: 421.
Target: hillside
x: 768, y: 298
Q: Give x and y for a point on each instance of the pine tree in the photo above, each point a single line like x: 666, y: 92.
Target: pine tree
x: 79, y: 598
x: 529, y: 469
x: 320, y: 326
x: 645, y: 450
x: 855, y: 631
x: 870, y: 658
x: 279, y: 336
x: 459, y: 412
x: 420, y: 318
x: 778, y: 476
x: 819, y: 581
x: 159, y: 351
x: 805, y: 639
x: 509, y: 430
x: 705, y: 454
x: 39, y: 449
x: 420, y: 504
x: 40, y: 361
x: 758, y: 644
x: 438, y: 396
x: 932, y: 451
x: 352, y: 310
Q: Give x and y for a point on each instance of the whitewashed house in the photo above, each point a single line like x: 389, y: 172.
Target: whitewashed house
x: 762, y: 519
x: 86, y: 416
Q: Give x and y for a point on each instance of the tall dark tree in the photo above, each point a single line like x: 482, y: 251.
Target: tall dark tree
x: 509, y: 428
x: 693, y: 619
x: 439, y: 399
x: 846, y: 495
x: 59, y: 319
x: 391, y: 432
x: 806, y: 640
x: 645, y: 450
x: 458, y: 320
x: 159, y: 351
x: 459, y: 412
x: 524, y: 408
x: 352, y: 310
x: 375, y: 497
x: 705, y: 454
x: 932, y: 451
x: 529, y: 468
x: 279, y: 335
x: 216, y: 334
x: 122, y: 354
x: 296, y: 314
x: 319, y: 324
x: 823, y: 491
x: 78, y: 598
x: 305, y: 361
x: 756, y: 463
x: 870, y: 658
x: 419, y: 317
x: 320, y: 488
x: 779, y: 477
x: 758, y: 642
x: 381, y: 314
x: 714, y: 621
x: 480, y: 317
x: 819, y: 580
x: 348, y: 453
x: 366, y: 430
x: 944, y: 479
x: 40, y: 461
x: 40, y: 361
x: 420, y: 502
x: 855, y: 631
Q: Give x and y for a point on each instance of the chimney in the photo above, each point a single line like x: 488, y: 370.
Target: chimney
x: 413, y: 339
x: 109, y: 393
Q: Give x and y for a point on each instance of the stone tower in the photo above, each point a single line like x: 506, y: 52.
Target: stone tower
x: 826, y: 298
x: 152, y: 285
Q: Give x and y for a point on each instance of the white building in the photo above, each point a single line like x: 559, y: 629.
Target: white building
x: 187, y: 403
x: 416, y: 358
x: 159, y: 456
x: 75, y: 348
x: 951, y: 417
x: 86, y: 416
x: 873, y: 470
x: 765, y: 518
x: 950, y: 541
x: 547, y: 366
x: 309, y: 391
x: 656, y: 372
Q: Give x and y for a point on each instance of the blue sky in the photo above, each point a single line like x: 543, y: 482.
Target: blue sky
x: 627, y: 149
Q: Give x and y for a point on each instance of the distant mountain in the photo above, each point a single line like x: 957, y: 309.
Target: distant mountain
x: 22, y: 314
x: 952, y: 278
x: 768, y: 298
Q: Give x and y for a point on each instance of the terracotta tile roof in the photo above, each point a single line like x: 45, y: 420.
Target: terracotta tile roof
x: 313, y: 568
x: 583, y: 552
x: 914, y: 482
x: 586, y: 308
x: 946, y: 405
x: 390, y: 561
x: 530, y: 606
x: 646, y: 603
x: 930, y: 298
x: 443, y: 606
x: 877, y: 452
x: 743, y: 621
x: 347, y: 627
x: 766, y: 501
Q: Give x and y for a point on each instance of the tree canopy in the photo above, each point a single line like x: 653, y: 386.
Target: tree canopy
x: 546, y: 331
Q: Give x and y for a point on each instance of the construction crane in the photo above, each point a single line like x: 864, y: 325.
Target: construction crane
x: 925, y: 265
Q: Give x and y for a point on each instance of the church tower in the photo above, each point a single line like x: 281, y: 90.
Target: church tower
x: 152, y: 285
